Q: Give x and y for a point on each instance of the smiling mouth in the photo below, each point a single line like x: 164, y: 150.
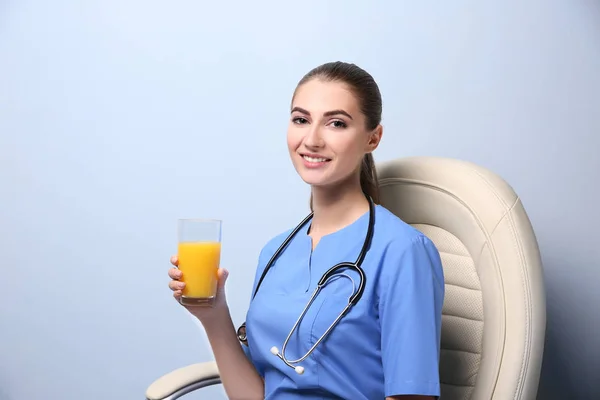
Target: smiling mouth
x: 314, y: 159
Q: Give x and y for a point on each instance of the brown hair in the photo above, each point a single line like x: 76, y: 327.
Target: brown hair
x: 366, y: 91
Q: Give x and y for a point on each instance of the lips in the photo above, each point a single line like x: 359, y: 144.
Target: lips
x: 314, y: 158
x: 314, y: 161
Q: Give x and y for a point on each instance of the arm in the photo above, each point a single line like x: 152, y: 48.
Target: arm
x: 239, y: 377
x: 410, y: 308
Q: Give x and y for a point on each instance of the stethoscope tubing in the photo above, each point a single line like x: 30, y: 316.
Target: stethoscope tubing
x: 352, y: 301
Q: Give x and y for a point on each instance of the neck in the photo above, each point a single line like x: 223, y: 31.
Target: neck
x: 336, y: 207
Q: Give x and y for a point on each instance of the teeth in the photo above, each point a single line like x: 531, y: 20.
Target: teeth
x: 312, y: 159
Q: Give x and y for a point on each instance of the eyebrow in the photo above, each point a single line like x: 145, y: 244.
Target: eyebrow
x: 326, y: 114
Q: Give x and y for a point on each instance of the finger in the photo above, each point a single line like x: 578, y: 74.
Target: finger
x: 177, y: 294
x: 175, y: 260
x: 176, y: 285
x: 175, y: 273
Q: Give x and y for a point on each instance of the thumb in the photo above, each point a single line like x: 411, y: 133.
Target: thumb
x: 222, y: 274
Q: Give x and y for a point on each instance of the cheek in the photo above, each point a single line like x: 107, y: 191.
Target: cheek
x: 293, y: 140
x: 348, y: 148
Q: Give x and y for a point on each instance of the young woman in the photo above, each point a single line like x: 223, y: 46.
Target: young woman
x: 387, y: 345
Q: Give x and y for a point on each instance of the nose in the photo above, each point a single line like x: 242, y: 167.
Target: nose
x: 313, y: 138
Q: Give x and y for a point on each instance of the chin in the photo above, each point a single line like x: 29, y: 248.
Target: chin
x: 317, y: 179
x: 312, y: 181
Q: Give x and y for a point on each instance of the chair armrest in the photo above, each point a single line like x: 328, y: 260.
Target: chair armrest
x: 183, y: 381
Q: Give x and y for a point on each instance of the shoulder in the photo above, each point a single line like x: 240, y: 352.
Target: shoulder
x: 273, y: 244
x: 267, y: 251
x: 403, y: 246
x: 393, y: 233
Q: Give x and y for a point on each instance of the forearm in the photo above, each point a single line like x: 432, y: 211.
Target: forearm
x: 239, y: 377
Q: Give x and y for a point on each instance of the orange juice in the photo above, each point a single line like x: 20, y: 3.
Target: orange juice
x: 199, y: 262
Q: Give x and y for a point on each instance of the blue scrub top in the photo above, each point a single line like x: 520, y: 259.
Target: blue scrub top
x: 388, y: 344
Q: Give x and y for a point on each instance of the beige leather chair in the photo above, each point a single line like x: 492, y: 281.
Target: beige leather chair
x: 494, y: 310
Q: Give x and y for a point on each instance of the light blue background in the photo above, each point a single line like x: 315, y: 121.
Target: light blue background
x: 117, y: 117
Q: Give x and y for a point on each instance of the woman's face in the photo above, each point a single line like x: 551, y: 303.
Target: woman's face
x: 327, y: 137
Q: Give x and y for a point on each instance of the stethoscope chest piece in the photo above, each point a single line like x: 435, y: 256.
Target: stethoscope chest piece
x: 241, y: 334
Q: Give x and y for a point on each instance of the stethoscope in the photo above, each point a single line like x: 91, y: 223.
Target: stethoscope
x: 352, y: 300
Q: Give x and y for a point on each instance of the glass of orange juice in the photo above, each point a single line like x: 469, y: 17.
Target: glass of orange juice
x: 199, y: 253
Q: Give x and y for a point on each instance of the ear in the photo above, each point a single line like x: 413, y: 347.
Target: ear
x: 374, y: 138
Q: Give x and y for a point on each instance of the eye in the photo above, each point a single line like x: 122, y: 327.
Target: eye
x: 339, y: 124
x: 299, y: 120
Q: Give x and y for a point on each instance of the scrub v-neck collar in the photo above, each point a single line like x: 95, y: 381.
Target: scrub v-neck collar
x: 345, y: 237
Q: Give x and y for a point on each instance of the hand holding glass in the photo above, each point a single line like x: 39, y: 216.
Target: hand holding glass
x: 199, y: 254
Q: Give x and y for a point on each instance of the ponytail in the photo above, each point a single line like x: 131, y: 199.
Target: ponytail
x: 368, y: 178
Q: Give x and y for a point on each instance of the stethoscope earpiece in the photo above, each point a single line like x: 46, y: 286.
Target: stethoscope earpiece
x: 275, y: 351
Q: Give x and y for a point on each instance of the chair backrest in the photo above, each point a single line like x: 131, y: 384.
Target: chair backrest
x: 494, y: 313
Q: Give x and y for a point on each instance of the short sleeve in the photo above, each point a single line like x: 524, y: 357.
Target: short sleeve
x: 410, y: 309
x: 262, y: 262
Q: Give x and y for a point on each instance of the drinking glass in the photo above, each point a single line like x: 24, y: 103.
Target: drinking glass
x: 199, y: 253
